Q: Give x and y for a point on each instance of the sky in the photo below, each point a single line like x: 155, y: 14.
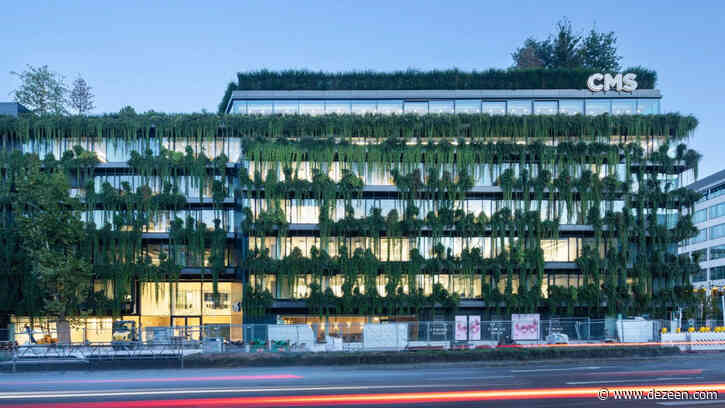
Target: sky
x: 178, y: 56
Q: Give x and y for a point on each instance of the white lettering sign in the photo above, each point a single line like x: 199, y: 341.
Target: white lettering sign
x: 604, y: 82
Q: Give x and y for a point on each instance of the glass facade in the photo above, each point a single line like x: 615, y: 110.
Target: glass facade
x: 699, y: 216
x: 708, y: 218
x: 717, y: 252
x: 596, y: 106
x: 164, y: 302
x: 717, y: 231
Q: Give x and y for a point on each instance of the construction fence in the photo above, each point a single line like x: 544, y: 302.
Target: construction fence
x: 349, y: 336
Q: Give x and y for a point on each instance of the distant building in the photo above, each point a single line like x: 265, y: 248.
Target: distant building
x: 12, y: 108
x: 709, y: 218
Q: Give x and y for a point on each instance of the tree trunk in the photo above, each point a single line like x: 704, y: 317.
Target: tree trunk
x: 62, y: 328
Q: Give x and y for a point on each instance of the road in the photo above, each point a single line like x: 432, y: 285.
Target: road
x: 569, y: 384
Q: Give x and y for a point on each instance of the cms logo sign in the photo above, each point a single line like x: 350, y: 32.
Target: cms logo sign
x: 605, y: 82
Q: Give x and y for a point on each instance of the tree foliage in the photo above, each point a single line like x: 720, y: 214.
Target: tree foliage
x: 81, y: 97
x: 41, y: 90
x: 569, y: 49
x: 44, y: 221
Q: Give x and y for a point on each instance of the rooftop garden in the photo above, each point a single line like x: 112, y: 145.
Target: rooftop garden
x: 452, y: 79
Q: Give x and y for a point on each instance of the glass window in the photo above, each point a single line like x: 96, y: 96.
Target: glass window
x: 716, y: 191
x: 545, y: 107
x: 717, y: 272
x: 571, y: 106
x: 260, y: 107
x: 700, y: 237
x: 363, y: 107
x: 187, y: 299
x: 286, y: 107
x: 717, y: 231
x: 312, y: 107
x: 648, y: 106
x: 519, y: 107
x: 699, y: 276
x: 339, y: 107
x: 239, y: 107
x: 155, y: 299
x: 704, y: 196
x: 717, y: 252
x: 440, y: 106
x: 494, y: 107
x: 418, y: 108
x: 470, y: 106
x: 700, y: 254
x: 715, y: 211
x: 597, y: 106
x: 623, y: 107
x: 699, y: 216
x: 389, y: 107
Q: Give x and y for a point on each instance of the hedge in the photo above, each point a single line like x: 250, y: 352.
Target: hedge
x: 394, y: 357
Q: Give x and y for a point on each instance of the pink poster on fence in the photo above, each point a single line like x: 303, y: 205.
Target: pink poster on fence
x: 525, y: 326
x: 474, y: 328
x: 461, y: 328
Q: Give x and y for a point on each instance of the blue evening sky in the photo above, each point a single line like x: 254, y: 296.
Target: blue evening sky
x: 178, y: 56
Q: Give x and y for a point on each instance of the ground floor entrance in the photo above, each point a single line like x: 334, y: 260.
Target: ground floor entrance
x: 187, y: 327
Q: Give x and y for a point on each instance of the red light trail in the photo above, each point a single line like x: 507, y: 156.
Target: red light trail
x: 384, y: 398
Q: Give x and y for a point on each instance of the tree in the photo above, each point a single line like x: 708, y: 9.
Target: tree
x: 531, y: 55
x: 81, y: 98
x: 51, y: 235
x: 565, y: 52
x: 599, y: 51
x: 41, y: 90
x: 567, y: 49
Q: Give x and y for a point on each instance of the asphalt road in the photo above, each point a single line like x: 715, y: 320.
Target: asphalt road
x: 569, y: 384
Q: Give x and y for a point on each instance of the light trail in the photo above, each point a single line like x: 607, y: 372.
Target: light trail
x: 658, y: 373
x: 384, y: 398
x: 628, y: 344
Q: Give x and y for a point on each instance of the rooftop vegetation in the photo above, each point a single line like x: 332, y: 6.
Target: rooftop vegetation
x: 452, y: 79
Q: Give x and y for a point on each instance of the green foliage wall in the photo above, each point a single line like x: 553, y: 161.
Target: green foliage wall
x: 457, y: 144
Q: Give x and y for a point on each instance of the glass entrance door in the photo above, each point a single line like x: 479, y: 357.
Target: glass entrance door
x: 187, y: 327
